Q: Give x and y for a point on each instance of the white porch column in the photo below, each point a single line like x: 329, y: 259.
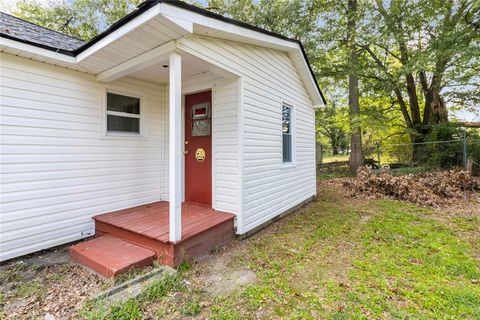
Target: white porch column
x: 175, y: 147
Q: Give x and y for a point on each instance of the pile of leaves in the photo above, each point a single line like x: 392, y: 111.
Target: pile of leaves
x: 432, y: 189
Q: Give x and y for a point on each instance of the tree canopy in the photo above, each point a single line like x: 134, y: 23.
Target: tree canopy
x: 83, y: 19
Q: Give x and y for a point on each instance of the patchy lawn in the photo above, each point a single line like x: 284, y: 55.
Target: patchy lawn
x: 336, y: 258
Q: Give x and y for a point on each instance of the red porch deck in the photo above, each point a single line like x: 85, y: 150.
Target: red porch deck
x: 151, y: 220
x: 147, y: 226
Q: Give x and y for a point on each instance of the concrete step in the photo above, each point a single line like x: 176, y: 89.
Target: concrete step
x: 110, y: 256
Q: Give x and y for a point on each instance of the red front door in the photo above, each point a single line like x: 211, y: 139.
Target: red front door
x: 198, y: 147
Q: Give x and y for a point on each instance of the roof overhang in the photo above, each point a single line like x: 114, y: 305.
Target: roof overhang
x: 217, y: 26
x: 104, y: 57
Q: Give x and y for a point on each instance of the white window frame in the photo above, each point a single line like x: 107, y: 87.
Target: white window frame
x: 106, y: 112
x: 292, y: 133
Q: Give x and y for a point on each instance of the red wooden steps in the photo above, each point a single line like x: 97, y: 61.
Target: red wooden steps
x: 110, y: 256
x: 146, y: 227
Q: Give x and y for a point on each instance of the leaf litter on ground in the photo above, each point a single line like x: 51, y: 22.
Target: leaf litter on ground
x: 432, y: 189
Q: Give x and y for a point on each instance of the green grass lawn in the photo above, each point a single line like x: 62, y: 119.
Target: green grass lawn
x: 335, y: 158
x: 336, y: 258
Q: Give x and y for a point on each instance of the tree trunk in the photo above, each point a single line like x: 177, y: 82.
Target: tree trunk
x: 335, y: 142
x: 420, y: 153
x: 439, y: 113
x: 435, y: 112
x: 356, y: 156
x: 334, y: 150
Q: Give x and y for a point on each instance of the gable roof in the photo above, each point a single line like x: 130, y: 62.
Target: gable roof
x: 28, y: 32
x: 17, y: 29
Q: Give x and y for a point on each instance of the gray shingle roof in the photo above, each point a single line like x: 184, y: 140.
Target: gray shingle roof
x: 24, y: 30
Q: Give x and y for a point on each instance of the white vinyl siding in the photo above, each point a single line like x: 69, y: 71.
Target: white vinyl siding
x: 225, y: 146
x: 57, y: 169
x: 269, y: 77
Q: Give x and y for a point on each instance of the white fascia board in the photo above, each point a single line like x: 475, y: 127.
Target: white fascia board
x: 8, y: 43
x: 130, y: 26
x: 172, y: 11
x: 138, y: 63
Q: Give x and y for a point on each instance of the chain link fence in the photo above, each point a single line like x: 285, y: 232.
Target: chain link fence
x: 463, y: 152
x: 431, y: 155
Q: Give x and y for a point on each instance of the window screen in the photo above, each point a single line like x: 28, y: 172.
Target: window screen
x: 123, y: 113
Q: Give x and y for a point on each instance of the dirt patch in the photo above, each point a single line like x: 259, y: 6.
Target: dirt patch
x: 24, y: 265
x: 220, y: 283
x: 218, y: 274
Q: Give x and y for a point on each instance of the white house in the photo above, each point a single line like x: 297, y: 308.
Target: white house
x: 171, y: 103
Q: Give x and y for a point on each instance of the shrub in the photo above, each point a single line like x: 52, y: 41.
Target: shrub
x: 450, y: 154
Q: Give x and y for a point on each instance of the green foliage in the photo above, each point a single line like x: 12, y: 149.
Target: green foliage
x: 160, y: 288
x: 332, y: 127
x: 129, y: 310
x: 436, y: 43
x: 417, y: 263
x: 294, y: 18
x: 83, y: 19
x: 473, y: 149
x: 445, y: 154
x: 132, y: 308
x: 225, y: 309
x: 30, y: 289
x: 97, y: 310
x: 191, y: 307
x: 451, y: 154
x: 160, y: 312
x: 184, y: 266
x: 339, y: 172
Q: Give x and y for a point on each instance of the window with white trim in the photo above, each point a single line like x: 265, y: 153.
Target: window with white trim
x: 287, y: 128
x: 123, y: 113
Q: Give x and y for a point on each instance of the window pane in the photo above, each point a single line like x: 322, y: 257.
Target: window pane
x: 119, y: 103
x: 287, y: 148
x: 123, y: 124
x: 287, y: 133
x: 286, y: 117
